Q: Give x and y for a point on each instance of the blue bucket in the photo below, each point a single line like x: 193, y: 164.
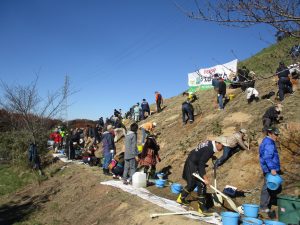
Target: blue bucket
x: 251, y: 210
x: 230, y: 218
x: 251, y: 221
x: 160, y: 183
x: 271, y: 222
x: 273, y: 181
x: 176, y: 188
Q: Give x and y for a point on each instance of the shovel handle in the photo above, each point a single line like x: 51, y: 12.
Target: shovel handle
x: 229, y: 200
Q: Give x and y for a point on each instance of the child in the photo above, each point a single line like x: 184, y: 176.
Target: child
x: 149, y: 156
x: 131, y: 153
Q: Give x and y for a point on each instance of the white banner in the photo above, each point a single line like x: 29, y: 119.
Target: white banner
x: 205, y: 76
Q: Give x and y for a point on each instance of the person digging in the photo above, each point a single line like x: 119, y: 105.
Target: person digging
x: 196, y: 163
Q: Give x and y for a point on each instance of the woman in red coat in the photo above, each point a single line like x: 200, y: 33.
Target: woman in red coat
x: 149, y: 156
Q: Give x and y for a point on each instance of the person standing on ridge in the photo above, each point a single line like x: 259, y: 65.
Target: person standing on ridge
x: 145, y: 109
x: 159, y: 101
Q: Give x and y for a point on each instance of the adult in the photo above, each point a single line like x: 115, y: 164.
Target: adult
x: 116, y: 113
x: 56, y: 137
x: 272, y: 116
x: 270, y: 163
x: 131, y: 153
x: 136, y: 112
x: 221, y: 93
x: 118, y: 170
x: 34, y: 158
x: 196, y: 162
x: 120, y: 130
x: 284, y: 83
x: 101, y: 122
x: 147, y: 129
x: 215, y: 82
x: 232, y: 145
x: 74, y: 141
x: 251, y: 94
x: 145, y: 109
x: 109, y: 148
x: 158, y: 101
x: 187, y: 112
x: 149, y: 157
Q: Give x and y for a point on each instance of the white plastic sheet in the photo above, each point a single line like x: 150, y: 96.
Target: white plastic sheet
x: 162, y: 202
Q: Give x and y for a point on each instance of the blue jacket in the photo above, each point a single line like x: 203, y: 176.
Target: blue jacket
x: 107, y: 142
x: 145, y: 106
x: 268, y: 155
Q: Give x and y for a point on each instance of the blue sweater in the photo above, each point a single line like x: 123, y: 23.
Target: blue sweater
x: 268, y: 155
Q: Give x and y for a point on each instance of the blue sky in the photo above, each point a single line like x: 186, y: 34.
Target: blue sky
x: 114, y: 52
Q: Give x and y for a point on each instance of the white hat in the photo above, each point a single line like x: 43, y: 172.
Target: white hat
x: 279, y: 107
x: 154, y: 124
x: 109, y: 127
x: 244, y: 131
x: 221, y: 140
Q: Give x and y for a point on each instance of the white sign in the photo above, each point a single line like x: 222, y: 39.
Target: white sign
x: 205, y: 76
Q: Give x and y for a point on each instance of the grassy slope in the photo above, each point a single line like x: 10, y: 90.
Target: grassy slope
x: 12, y: 179
x: 266, y: 61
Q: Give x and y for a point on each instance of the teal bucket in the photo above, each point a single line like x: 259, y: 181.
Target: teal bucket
x: 251, y: 210
x: 251, y: 221
x: 271, y: 222
x: 230, y: 218
x: 273, y: 181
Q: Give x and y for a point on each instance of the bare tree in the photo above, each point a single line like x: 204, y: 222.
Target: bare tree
x: 28, y: 110
x: 283, y: 15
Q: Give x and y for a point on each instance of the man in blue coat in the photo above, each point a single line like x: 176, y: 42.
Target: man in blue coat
x: 270, y: 163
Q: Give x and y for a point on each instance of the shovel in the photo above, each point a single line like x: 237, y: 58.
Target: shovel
x: 218, y: 200
x: 229, y: 200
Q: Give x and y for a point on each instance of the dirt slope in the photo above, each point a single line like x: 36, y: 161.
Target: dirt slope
x: 74, y: 195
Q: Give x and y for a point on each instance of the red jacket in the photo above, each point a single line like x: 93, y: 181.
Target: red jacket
x: 56, y: 137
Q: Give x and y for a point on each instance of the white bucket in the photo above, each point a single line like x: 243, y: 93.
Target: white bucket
x: 139, y: 179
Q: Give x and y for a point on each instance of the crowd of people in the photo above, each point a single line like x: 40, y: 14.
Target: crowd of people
x: 123, y: 165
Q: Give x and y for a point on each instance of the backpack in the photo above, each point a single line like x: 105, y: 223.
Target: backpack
x: 112, y: 164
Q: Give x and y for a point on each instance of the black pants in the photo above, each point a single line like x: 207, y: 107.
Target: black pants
x: 158, y: 106
x: 187, y: 111
x: 285, y: 86
x: 72, y: 151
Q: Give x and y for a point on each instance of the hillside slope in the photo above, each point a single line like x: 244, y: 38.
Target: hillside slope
x: 73, y: 193
x: 242, y: 169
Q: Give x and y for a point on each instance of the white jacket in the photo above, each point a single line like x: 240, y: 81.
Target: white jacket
x: 251, y: 91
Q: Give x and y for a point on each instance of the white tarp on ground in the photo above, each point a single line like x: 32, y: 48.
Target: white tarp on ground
x: 63, y: 158
x: 162, y: 202
x: 203, y: 77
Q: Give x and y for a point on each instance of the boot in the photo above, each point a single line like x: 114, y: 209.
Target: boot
x: 105, y: 171
x: 202, y: 205
x: 182, y: 198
